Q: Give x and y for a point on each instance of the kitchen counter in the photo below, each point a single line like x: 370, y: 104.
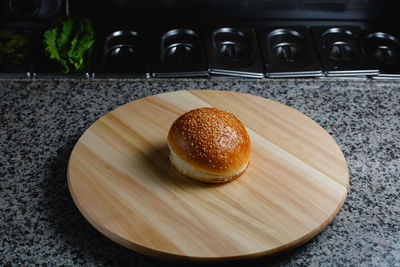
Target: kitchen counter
x: 40, y: 121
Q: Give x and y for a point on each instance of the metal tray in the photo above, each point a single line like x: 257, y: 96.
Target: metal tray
x: 384, y: 48
x: 25, y: 65
x: 178, y: 52
x: 289, y: 52
x: 342, y: 51
x: 233, y: 51
x: 121, y: 52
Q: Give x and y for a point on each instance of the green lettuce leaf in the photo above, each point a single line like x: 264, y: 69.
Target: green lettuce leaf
x: 65, y: 34
x: 82, y: 43
x: 69, y: 43
x: 50, y: 39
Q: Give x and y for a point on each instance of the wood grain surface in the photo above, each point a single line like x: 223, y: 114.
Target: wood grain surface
x: 121, y: 180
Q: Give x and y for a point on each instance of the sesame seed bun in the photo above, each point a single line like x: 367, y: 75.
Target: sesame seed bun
x: 210, y: 145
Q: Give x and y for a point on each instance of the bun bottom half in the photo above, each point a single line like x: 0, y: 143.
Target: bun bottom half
x: 191, y: 172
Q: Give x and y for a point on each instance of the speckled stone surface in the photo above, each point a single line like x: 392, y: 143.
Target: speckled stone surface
x: 40, y: 121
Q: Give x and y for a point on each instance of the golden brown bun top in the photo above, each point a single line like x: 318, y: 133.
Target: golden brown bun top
x: 211, y: 139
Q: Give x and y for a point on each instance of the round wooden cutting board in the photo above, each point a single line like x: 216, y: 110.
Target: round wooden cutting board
x: 122, y: 182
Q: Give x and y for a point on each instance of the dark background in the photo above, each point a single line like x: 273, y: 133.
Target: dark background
x: 147, y: 11
x: 382, y: 10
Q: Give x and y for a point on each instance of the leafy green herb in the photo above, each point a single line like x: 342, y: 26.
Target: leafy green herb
x: 69, y: 43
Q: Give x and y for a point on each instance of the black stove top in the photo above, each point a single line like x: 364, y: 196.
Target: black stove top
x: 216, y: 48
x: 232, y: 50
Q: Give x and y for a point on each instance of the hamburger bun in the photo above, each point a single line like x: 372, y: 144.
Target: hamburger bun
x: 209, y: 145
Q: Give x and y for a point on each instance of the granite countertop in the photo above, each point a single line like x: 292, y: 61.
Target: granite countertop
x: 40, y: 121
